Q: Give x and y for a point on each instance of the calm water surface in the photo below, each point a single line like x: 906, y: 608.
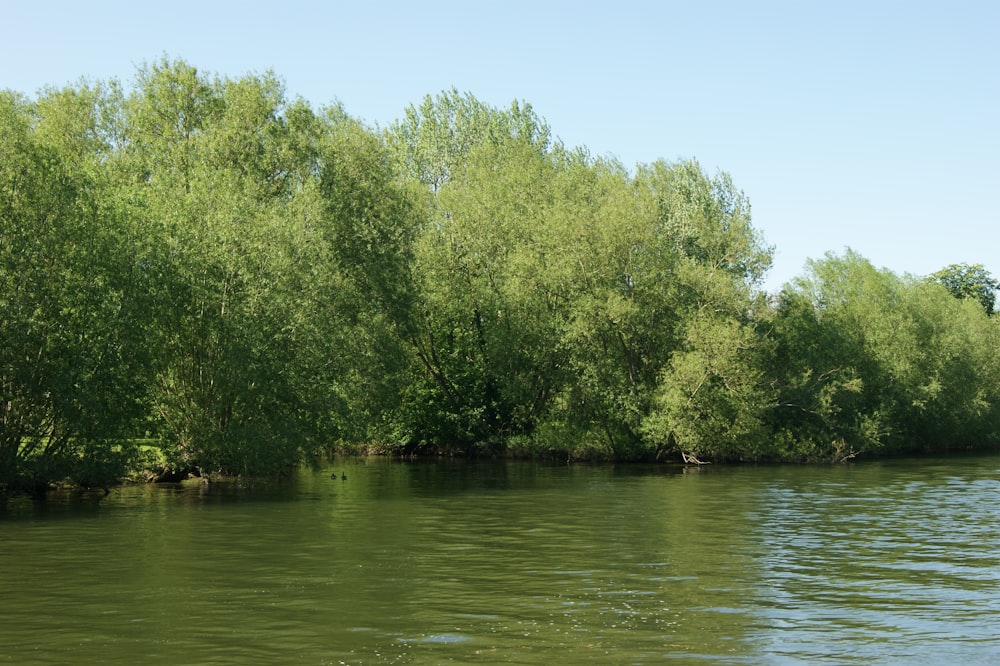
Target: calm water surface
x: 427, y: 563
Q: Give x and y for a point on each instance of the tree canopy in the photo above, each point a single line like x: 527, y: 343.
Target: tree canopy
x: 242, y: 281
x: 965, y: 281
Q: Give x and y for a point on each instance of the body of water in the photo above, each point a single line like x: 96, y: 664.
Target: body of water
x: 513, y: 562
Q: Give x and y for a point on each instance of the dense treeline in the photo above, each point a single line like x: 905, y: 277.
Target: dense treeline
x: 245, y: 281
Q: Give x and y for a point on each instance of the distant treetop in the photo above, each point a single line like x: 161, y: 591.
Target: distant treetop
x: 969, y: 281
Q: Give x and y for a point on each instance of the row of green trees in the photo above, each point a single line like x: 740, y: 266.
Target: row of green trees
x: 245, y: 280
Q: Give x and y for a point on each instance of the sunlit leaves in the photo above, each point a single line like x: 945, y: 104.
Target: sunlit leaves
x: 710, y: 395
x: 881, y: 362
x: 218, y: 185
x: 433, y: 141
x: 251, y: 280
x: 72, y: 362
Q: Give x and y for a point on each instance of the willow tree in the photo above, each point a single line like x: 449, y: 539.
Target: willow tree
x: 555, y: 290
x: 606, y: 269
x: 366, y: 223
x: 469, y: 372
x: 867, y: 361
x: 433, y: 141
x: 74, y: 361
x: 520, y: 277
x: 216, y: 169
x: 711, y: 391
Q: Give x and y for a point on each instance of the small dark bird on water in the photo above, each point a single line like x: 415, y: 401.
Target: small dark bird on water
x: 343, y: 476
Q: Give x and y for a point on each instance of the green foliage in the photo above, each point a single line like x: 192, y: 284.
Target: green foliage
x: 965, y: 281
x: 72, y: 364
x: 710, y: 397
x: 709, y: 390
x: 432, y: 143
x: 367, y: 224
x: 251, y: 281
x: 219, y: 187
x: 866, y: 361
x: 554, y: 287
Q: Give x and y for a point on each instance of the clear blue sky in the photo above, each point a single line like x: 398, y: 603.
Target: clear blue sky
x: 865, y: 124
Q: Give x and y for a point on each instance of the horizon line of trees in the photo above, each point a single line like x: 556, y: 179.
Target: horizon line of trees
x: 249, y: 281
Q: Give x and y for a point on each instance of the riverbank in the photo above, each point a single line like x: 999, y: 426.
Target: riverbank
x: 159, y: 470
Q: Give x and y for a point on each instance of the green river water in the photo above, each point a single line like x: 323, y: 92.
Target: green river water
x: 512, y: 562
